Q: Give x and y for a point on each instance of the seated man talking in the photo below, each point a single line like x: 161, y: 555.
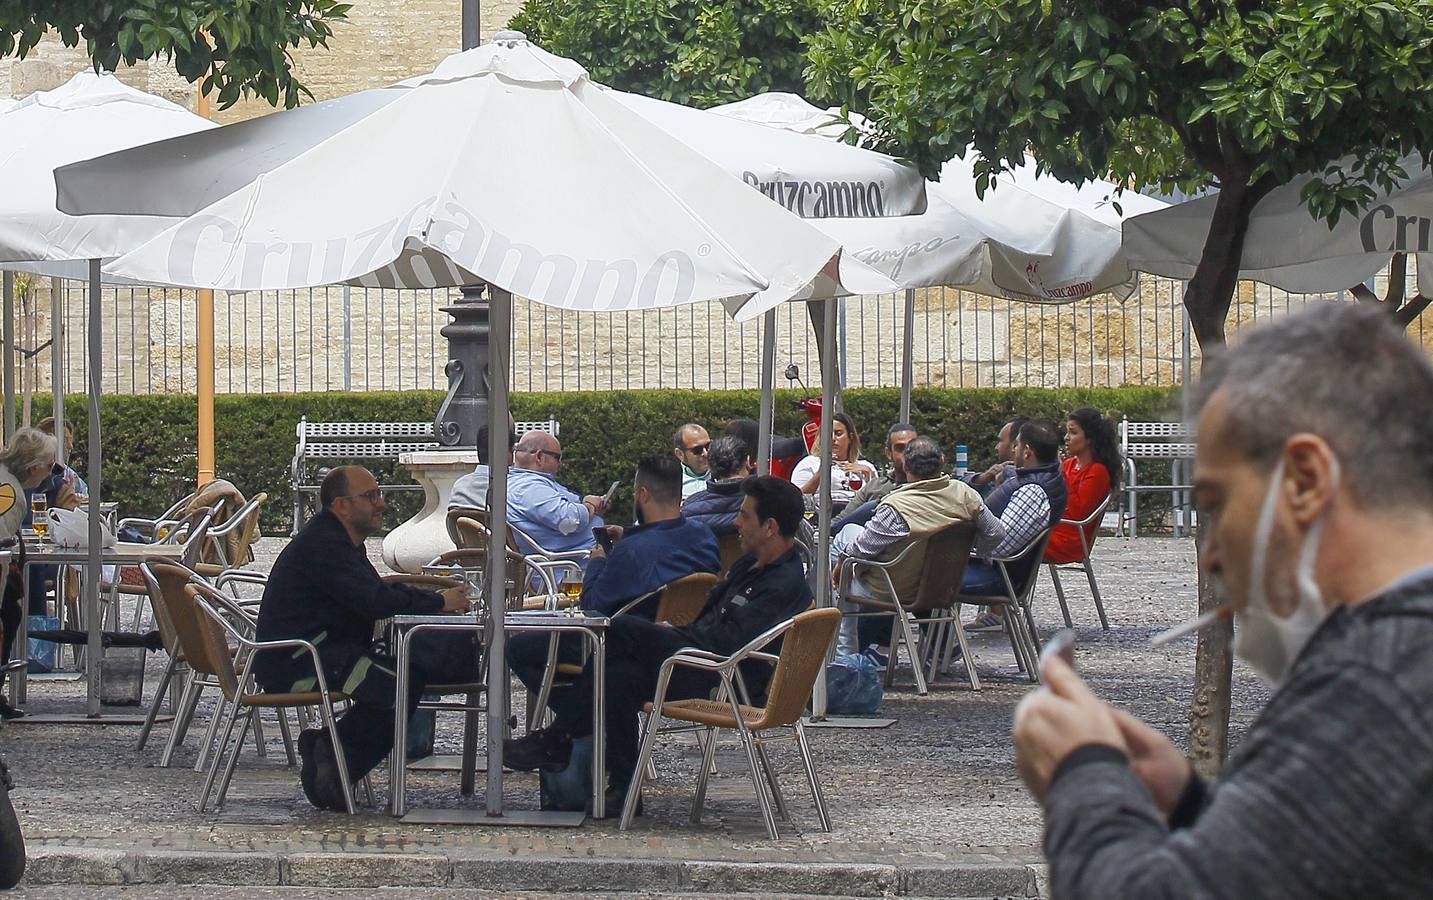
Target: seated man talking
x: 766, y: 586
x: 324, y: 590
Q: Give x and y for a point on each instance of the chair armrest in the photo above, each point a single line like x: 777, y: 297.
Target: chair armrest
x: 636, y: 601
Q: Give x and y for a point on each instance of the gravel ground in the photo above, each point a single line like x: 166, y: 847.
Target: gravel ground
x: 939, y: 785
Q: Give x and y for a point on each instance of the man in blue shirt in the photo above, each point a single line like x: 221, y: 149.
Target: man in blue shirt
x: 554, y: 517
x: 662, y: 547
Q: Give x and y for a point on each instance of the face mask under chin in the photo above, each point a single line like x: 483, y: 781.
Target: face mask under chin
x: 1267, y: 642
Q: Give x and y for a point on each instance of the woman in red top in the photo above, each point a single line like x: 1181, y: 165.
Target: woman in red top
x: 1092, y: 468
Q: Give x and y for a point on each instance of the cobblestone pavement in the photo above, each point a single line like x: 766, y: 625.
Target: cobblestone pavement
x: 937, y: 789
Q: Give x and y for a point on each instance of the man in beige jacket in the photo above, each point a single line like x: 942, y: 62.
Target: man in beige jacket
x: 929, y: 501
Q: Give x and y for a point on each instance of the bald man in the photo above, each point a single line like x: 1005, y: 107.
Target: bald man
x: 553, y: 516
x: 324, y: 590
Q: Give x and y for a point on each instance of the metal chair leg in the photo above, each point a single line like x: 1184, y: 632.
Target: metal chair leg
x: 753, y: 761
x: 781, y: 811
x: 153, y: 713
x: 218, y: 756
x: 644, y: 758
x: 965, y: 653
x: 1060, y: 594
x: 1095, y: 592
x: 331, y: 726
x: 261, y: 744
x: 817, y: 797
x: 917, y: 664
x: 708, y: 757
x: 187, y: 704
x: 250, y: 717
x: 549, y: 673
x: 287, y: 735
x: 209, y: 734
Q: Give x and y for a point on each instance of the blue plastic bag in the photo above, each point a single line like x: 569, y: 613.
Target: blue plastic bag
x: 853, y: 686
x: 42, y: 654
x: 570, y: 789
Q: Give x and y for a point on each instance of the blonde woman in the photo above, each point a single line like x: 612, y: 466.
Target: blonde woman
x: 24, y: 464
x: 848, y: 470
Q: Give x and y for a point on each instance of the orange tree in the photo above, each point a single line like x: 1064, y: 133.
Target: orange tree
x: 237, y: 49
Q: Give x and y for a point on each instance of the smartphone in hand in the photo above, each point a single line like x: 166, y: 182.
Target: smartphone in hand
x: 611, y: 492
x: 603, y: 537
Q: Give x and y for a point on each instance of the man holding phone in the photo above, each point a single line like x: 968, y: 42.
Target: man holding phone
x: 1316, y: 506
x: 549, y: 513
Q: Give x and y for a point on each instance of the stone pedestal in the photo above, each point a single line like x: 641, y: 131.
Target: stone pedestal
x: 411, y: 545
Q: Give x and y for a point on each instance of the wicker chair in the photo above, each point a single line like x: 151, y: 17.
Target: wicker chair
x: 946, y: 553
x: 180, y: 629
x: 802, y: 659
x: 729, y: 546
x: 1014, y: 605
x: 1083, y: 562
x: 215, y: 631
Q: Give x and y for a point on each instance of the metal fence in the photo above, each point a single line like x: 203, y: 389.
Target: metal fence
x: 355, y: 339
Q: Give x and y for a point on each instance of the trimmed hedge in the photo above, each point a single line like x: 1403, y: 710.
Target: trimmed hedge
x: 150, y: 439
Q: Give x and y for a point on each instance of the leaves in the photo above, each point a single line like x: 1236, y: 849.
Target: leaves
x: 686, y: 51
x: 1141, y: 93
x: 244, y: 46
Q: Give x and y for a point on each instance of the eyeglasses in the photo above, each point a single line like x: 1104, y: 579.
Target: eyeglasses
x: 899, y: 448
x: 699, y: 449
x: 372, y: 496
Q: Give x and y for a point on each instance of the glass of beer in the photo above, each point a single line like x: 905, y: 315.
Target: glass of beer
x: 571, y: 586
x: 39, y: 514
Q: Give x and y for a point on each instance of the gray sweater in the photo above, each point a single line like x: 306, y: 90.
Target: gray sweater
x: 1330, y: 794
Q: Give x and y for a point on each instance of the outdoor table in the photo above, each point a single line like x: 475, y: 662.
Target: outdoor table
x: 592, y: 628
x: 47, y: 554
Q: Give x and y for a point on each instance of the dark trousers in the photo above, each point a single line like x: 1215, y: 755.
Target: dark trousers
x: 857, y: 516
x: 636, y: 650
x: 982, y: 579
x: 366, y: 729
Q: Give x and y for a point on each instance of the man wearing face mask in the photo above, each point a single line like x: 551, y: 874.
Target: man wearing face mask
x: 1313, y: 475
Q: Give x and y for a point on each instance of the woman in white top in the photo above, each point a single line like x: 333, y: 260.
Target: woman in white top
x: 848, y: 470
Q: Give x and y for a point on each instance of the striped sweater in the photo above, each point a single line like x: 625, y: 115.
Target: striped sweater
x: 1330, y: 794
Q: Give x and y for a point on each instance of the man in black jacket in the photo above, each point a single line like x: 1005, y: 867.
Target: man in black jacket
x: 324, y: 590
x: 765, y: 586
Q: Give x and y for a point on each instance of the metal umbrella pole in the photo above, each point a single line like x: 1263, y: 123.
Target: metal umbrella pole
x: 91, y: 599
x: 499, y: 346
x: 768, y: 398
x: 908, y: 356
x: 7, y: 284
x: 58, y: 375
x: 823, y: 493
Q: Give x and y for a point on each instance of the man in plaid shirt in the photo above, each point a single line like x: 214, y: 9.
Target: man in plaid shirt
x: 1028, y: 503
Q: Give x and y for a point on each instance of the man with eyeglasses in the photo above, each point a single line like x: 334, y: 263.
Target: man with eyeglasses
x: 324, y: 590
x: 553, y: 516
x: 690, y: 445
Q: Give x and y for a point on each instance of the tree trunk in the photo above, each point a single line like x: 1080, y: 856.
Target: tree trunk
x: 1207, y: 299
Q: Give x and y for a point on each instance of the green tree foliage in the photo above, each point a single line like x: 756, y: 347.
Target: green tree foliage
x: 1244, y: 95
x: 242, y: 46
x: 688, y: 51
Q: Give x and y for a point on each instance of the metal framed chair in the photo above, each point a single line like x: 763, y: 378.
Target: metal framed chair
x: 1014, y: 605
x: 152, y: 527
x: 215, y: 632
x: 946, y: 553
x: 1086, y: 547
x: 229, y: 545
x: 475, y: 513
x: 175, y: 612
x: 802, y: 659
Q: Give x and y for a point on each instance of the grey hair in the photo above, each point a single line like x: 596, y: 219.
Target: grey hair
x: 29, y: 447
x: 1345, y: 373
x: 924, y: 458
x: 727, y: 456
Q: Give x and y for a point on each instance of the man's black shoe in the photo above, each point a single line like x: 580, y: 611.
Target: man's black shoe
x: 10, y: 712
x: 546, y: 748
x: 308, y: 755
x: 614, y: 800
